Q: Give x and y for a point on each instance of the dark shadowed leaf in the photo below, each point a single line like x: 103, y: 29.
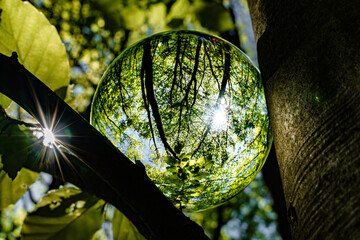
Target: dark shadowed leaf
x: 66, y: 213
x: 14, y: 143
x: 170, y: 160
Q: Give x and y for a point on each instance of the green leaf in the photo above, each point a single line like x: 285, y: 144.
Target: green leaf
x: 157, y: 14
x: 123, y: 228
x: 99, y: 235
x: 185, y: 157
x: 200, y: 161
x: 179, y: 10
x: 195, y: 184
x: 178, y: 147
x: 200, y: 175
x: 14, y: 144
x: 195, y: 169
x: 172, y: 169
x: 208, y: 164
x: 134, y: 20
x: 26, y: 31
x: 213, y: 16
x: 11, y: 191
x: 4, y: 100
x: 170, y: 160
x: 66, y: 213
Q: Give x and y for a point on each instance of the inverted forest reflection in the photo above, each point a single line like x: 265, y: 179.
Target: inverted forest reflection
x: 191, y: 107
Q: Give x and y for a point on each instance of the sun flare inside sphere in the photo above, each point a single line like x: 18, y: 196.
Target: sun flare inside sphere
x: 219, y: 118
x: 191, y: 107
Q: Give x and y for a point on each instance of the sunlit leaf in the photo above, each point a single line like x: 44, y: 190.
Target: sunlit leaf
x: 66, y: 213
x: 172, y: 169
x: 201, y: 161
x: 4, y: 100
x: 26, y: 31
x: 179, y: 10
x: 12, y: 190
x: 157, y: 15
x: 124, y: 229
x: 100, y: 235
x: 135, y: 19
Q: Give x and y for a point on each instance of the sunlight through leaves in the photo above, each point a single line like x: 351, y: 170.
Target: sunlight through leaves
x: 47, y: 136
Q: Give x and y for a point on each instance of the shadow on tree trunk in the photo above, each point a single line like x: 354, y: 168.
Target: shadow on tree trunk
x: 272, y: 179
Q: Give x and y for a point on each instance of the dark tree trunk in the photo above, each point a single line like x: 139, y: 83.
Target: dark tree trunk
x: 309, y: 55
x: 272, y: 180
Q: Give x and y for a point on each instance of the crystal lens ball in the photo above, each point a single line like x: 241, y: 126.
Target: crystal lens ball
x: 191, y: 107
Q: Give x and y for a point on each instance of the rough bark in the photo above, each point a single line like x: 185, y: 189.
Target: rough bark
x: 99, y: 167
x: 309, y: 57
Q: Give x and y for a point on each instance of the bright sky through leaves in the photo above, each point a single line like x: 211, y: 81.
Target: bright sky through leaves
x: 219, y: 119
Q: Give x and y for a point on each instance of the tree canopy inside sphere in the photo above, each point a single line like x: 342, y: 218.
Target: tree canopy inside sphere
x: 191, y: 107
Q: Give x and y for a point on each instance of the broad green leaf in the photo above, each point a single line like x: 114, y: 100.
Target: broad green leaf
x: 170, y: 160
x: 26, y: 31
x: 4, y: 100
x: 14, y: 144
x: 66, y: 213
x: 179, y: 10
x: 213, y: 16
x: 11, y: 191
x: 134, y: 20
x: 157, y: 15
x: 172, y: 169
x: 100, y: 235
x: 185, y: 157
x: 124, y: 229
x: 201, y: 161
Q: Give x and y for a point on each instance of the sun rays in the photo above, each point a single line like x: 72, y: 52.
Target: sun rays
x: 47, y: 136
x: 57, y: 147
x: 52, y: 135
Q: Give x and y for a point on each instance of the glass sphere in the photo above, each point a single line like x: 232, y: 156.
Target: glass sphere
x: 191, y: 107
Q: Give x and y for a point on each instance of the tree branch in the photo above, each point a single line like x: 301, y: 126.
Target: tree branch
x: 99, y: 167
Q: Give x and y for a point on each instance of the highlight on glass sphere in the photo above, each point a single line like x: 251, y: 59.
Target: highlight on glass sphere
x: 191, y: 107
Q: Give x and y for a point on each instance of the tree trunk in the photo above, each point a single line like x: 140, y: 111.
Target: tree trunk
x: 272, y: 180
x: 309, y: 55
